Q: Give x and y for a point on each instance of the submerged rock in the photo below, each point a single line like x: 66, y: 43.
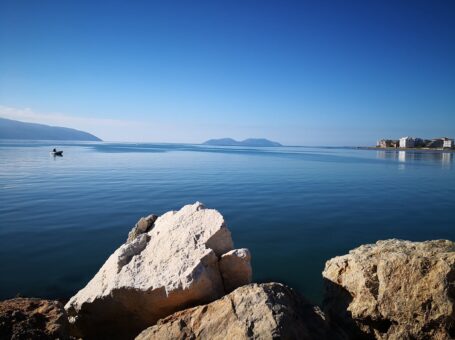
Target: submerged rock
x: 28, y: 318
x: 255, y: 311
x: 394, y: 290
x: 173, y: 266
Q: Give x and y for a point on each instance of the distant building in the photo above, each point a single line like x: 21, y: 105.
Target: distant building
x: 419, y: 143
x: 407, y: 142
x: 435, y: 143
x: 447, y: 143
x: 387, y: 143
x: 439, y: 143
x: 411, y: 142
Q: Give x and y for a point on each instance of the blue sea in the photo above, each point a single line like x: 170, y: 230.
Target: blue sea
x: 293, y: 207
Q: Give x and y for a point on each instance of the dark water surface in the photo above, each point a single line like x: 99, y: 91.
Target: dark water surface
x: 293, y: 207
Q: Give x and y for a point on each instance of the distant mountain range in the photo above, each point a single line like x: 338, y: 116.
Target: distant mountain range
x: 257, y: 142
x: 13, y: 129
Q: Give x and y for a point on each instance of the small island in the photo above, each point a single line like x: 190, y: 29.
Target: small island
x: 14, y: 129
x: 256, y: 142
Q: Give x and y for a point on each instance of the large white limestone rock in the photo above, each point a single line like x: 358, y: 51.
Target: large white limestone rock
x: 173, y: 266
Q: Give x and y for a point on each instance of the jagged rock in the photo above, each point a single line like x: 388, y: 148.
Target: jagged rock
x: 255, y: 311
x: 144, y: 225
x: 28, y: 318
x: 394, y: 290
x: 171, y: 267
x: 235, y: 268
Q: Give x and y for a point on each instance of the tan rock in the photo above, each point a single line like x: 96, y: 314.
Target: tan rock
x: 28, y: 318
x: 235, y: 268
x: 394, y: 290
x: 255, y: 311
x: 169, y: 268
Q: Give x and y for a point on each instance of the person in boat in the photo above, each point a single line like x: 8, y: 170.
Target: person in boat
x: 55, y: 150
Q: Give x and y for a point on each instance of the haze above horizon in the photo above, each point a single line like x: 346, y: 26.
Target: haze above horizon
x: 301, y: 73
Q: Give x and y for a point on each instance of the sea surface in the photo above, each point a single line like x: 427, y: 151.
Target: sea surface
x: 293, y: 207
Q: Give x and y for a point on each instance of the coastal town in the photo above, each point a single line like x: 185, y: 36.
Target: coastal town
x: 442, y: 143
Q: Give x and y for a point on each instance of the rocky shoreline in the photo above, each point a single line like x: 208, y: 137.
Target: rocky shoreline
x: 178, y: 276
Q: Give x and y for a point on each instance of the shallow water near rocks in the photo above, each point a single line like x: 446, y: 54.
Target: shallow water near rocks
x: 293, y: 207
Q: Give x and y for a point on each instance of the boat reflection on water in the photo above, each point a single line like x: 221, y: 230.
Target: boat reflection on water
x: 444, y: 158
x: 56, y: 153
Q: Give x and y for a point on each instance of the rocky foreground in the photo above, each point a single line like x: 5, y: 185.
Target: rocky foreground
x: 255, y: 311
x: 22, y: 318
x: 187, y: 258
x: 393, y: 290
x: 178, y: 276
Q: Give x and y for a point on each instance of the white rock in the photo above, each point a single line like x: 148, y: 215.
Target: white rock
x: 171, y: 267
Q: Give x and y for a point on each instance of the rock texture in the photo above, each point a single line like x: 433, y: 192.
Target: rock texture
x: 394, y: 290
x: 22, y: 318
x: 173, y: 266
x: 144, y: 225
x: 255, y: 311
x: 235, y: 268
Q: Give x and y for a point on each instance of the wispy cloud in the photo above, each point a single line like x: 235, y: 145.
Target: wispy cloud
x: 106, y: 129
x: 125, y: 130
x: 157, y: 128
x: 59, y: 119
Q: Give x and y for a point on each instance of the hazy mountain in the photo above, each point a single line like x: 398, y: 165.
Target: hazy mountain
x: 13, y: 129
x: 258, y: 142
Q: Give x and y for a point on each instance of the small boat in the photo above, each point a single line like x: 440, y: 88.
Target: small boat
x: 57, y: 153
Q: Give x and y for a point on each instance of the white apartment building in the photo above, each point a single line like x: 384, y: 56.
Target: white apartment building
x: 448, y: 143
x: 407, y: 142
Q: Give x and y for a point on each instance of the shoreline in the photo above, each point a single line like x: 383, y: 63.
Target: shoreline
x: 437, y: 150
x: 178, y: 275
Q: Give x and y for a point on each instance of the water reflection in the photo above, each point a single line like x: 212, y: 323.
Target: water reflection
x: 443, y: 158
x: 56, y: 156
x: 447, y: 158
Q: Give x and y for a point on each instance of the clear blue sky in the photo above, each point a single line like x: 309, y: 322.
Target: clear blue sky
x: 306, y: 73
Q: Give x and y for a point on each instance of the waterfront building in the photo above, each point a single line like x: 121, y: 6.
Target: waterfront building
x: 387, y: 143
x: 407, y: 142
x: 447, y: 143
x: 435, y: 143
x: 419, y: 143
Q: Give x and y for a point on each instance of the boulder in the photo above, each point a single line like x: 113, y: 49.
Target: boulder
x: 171, y: 267
x: 235, y: 268
x: 255, y: 311
x: 393, y: 290
x: 144, y: 225
x: 28, y: 318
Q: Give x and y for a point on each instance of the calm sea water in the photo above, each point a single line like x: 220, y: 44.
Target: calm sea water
x: 293, y: 207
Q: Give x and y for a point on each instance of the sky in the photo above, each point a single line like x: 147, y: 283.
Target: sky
x: 301, y: 73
